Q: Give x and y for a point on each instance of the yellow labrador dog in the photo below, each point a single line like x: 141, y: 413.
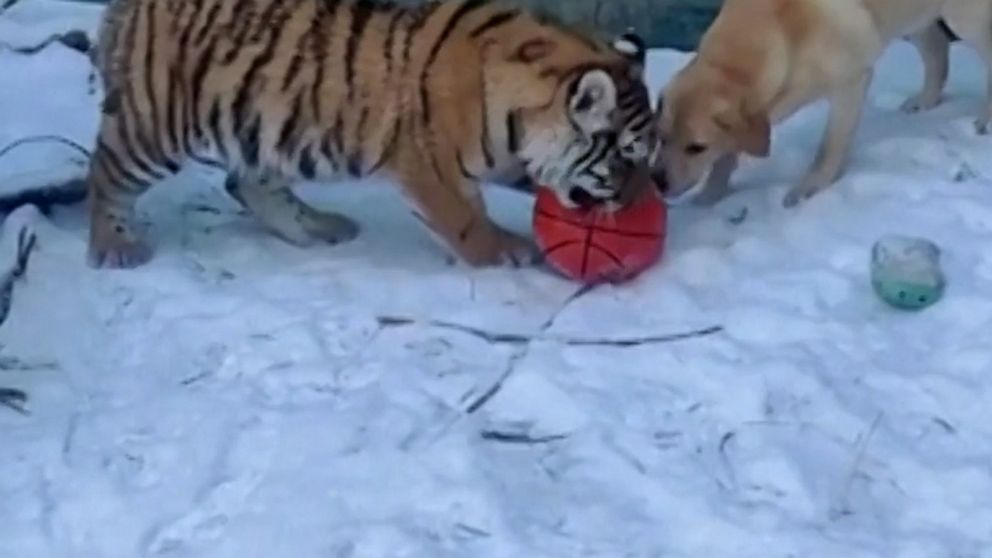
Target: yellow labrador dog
x: 762, y: 60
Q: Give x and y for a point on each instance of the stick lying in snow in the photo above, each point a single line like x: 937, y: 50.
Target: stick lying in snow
x: 38, y: 139
x: 523, y: 338
x: 76, y: 40
x: 525, y: 439
x: 523, y: 342
x: 25, y: 244
x: 68, y: 192
x: 843, y: 507
x: 7, y: 4
x: 48, y: 188
x: 14, y: 399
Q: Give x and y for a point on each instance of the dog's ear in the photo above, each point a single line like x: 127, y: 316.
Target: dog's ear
x: 751, y: 131
x: 756, y: 137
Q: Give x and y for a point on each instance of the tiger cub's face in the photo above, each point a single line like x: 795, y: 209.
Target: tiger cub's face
x: 596, y: 147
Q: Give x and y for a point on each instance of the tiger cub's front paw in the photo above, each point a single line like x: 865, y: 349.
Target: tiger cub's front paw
x: 516, y: 251
x: 489, y: 245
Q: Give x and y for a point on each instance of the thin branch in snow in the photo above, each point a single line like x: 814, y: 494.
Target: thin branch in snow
x: 45, y: 138
x: 472, y: 530
x: 516, y: 438
x: 523, y: 350
x: 7, y: 4
x: 638, y: 341
x: 47, y: 195
x: 14, y: 399
x: 948, y: 427
x: 25, y: 244
x: 523, y: 341
x: 511, y: 366
x: 844, y: 508
x: 76, y: 40
x: 11, y: 363
x: 507, y: 338
x: 724, y: 441
x: 579, y: 293
x: 401, y: 321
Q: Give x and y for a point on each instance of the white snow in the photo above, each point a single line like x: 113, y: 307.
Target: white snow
x: 238, y: 397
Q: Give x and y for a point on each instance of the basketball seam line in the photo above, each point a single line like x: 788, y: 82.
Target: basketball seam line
x: 585, y: 252
x: 565, y: 244
x: 608, y: 254
x: 617, y: 261
x: 597, y: 228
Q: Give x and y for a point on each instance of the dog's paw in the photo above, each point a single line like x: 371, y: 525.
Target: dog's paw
x: 983, y: 126
x: 920, y: 103
x: 804, y: 191
x: 792, y: 198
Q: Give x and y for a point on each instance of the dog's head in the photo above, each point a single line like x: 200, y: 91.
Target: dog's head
x: 699, y: 119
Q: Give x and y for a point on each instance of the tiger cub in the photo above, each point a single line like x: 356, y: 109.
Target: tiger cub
x: 439, y: 97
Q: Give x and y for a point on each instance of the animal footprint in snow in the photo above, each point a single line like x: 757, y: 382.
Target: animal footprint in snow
x: 207, y: 520
x: 298, y: 384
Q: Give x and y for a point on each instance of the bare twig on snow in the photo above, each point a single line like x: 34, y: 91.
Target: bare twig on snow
x: 844, y: 507
x: 76, y: 40
x: 522, y: 351
x: 46, y: 195
x: 7, y: 4
x: 523, y: 439
x: 525, y: 338
x: 25, y: 244
x: 14, y: 399
x: 45, y: 138
x: 523, y: 341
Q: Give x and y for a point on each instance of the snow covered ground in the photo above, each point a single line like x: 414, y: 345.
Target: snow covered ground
x: 238, y: 397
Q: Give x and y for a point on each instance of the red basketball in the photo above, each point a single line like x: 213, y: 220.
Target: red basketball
x: 593, y: 245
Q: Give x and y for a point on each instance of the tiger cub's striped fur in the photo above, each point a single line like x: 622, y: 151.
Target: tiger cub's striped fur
x: 440, y: 97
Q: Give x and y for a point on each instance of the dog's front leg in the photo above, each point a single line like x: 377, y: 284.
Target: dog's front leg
x: 718, y: 181
x: 934, y: 46
x: 972, y: 21
x: 846, y: 105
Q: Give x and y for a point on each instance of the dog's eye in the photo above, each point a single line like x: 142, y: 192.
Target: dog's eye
x: 695, y: 148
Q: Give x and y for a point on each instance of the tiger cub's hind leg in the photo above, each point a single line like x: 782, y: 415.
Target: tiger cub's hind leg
x: 269, y: 198
x: 117, y: 178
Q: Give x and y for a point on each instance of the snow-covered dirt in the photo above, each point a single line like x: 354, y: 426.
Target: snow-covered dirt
x: 238, y: 397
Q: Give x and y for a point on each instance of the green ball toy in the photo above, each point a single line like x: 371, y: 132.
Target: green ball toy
x: 906, y: 272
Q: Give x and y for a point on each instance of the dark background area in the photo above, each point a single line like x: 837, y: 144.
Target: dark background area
x: 663, y: 23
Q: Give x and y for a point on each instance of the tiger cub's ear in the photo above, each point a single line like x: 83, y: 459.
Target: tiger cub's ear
x: 593, y: 100
x: 632, y: 47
